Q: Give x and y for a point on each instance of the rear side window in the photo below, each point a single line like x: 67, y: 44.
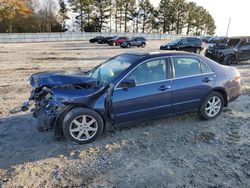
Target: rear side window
x: 192, y: 41
x: 188, y: 66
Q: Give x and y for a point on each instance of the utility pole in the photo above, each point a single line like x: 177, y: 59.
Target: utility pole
x: 228, y: 26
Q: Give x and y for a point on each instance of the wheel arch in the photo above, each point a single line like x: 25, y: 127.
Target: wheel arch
x: 224, y: 94
x: 58, y: 132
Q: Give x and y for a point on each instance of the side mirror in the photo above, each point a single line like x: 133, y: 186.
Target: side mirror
x: 128, y: 83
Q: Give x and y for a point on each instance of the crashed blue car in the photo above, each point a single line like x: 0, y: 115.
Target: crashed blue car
x: 128, y: 88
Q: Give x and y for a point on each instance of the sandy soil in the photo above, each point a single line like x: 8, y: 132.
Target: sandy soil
x: 180, y: 151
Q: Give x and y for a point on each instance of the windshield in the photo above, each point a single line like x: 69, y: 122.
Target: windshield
x: 175, y: 41
x: 111, y: 69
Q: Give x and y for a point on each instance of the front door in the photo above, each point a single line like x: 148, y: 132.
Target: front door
x: 149, y: 98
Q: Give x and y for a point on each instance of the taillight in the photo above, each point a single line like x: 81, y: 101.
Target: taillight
x: 237, y: 78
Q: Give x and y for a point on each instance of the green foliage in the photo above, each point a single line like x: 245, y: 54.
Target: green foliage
x: 147, y: 11
x: 22, y: 16
x: 63, y: 14
x: 171, y: 16
x: 179, y: 15
x: 83, y: 9
x: 101, y: 14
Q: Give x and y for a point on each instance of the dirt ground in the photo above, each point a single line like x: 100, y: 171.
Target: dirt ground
x: 180, y: 151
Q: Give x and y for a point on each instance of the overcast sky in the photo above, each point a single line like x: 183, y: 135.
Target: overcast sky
x: 222, y: 10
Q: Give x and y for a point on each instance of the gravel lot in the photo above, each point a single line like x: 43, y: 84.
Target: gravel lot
x: 180, y: 151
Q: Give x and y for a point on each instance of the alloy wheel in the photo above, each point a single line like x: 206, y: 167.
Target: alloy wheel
x: 213, y: 106
x: 83, y: 127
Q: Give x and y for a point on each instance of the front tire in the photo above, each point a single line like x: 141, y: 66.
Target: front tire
x: 143, y: 45
x: 211, y: 106
x: 82, y: 125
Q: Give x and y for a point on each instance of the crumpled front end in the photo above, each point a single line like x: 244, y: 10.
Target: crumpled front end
x: 46, y: 107
x: 53, y: 92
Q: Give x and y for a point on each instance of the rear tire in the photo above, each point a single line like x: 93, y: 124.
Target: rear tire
x: 211, y: 106
x: 229, y: 60
x: 128, y: 46
x: 82, y: 125
x: 143, y: 45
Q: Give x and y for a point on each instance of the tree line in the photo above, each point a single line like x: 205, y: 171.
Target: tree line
x: 170, y: 16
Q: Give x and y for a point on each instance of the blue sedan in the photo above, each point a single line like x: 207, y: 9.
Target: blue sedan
x: 128, y: 88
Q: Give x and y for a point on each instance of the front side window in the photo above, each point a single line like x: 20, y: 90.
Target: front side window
x: 175, y: 42
x: 151, y: 71
x: 184, y: 42
x: 188, y: 66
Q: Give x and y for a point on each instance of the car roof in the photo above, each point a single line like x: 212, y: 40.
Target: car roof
x: 190, y: 38
x: 239, y: 37
x: 149, y: 55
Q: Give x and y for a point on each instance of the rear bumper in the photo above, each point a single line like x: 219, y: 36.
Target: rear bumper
x: 234, y: 93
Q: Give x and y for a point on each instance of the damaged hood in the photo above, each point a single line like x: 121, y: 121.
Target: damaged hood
x: 49, y: 79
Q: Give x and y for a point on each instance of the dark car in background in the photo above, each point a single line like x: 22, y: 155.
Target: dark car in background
x: 235, y: 49
x: 117, y: 41
x: 217, y: 40
x: 206, y: 39
x: 104, y: 40
x: 128, y: 88
x: 93, y: 40
x: 188, y: 44
x: 135, y: 41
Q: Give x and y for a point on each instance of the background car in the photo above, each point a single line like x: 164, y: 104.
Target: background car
x: 117, y: 41
x: 188, y: 44
x: 104, y: 40
x: 217, y: 40
x: 93, y: 40
x: 235, y: 49
x: 128, y: 88
x: 206, y: 39
x: 135, y: 41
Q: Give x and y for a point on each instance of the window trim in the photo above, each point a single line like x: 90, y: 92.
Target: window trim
x: 194, y: 57
x: 170, y: 70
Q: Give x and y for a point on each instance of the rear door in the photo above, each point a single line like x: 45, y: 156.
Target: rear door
x: 192, y: 81
x: 151, y: 97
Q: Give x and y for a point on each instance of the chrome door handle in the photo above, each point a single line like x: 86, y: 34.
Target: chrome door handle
x: 207, y: 79
x: 163, y: 88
